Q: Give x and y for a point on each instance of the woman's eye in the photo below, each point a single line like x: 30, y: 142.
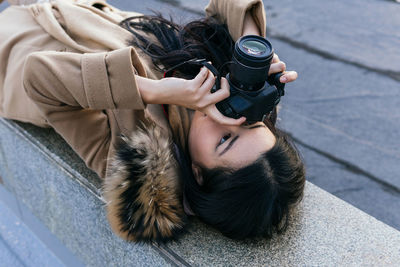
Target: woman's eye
x: 224, y: 138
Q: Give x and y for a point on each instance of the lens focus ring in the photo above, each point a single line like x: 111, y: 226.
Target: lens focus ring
x: 253, y: 51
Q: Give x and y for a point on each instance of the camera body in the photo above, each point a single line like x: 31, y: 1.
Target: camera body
x: 253, y: 94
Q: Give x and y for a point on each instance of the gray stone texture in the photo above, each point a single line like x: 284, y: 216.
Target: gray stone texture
x: 360, y: 191
x: 30, y: 228
x: 7, y: 256
x: 324, y: 229
x: 19, y: 246
x: 53, y: 190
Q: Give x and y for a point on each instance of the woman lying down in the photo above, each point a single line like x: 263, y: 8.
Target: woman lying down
x: 163, y: 146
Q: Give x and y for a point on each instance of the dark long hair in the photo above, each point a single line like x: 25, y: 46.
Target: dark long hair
x: 171, y: 44
x: 254, y: 200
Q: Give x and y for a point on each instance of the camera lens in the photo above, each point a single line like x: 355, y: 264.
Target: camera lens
x: 253, y: 51
x: 252, y: 57
x: 254, y: 47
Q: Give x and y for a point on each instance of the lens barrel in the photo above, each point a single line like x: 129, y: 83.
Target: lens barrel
x: 252, y: 57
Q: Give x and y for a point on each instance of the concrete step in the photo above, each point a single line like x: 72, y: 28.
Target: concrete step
x: 59, y: 190
x: 24, y: 241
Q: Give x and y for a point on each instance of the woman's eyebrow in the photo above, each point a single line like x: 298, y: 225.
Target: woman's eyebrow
x: 229, y: 145
x: 256, y: 126
x: 236, y: 137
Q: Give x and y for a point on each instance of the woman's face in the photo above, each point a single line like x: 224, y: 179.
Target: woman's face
x: 214, y: 145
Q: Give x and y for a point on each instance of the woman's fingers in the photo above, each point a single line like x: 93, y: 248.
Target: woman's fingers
x: 277, y: 67
x: 207, y: 84
x: 280, y: 66
x: 288, y: 76
x: 221, y: 93
x: 200, y: 77
x: 275, y: 59
x: 217, y: 116
x: 218, y: 96
x: 212, y: 111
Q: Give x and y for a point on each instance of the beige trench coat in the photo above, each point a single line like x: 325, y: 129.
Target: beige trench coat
x: 66, y: 65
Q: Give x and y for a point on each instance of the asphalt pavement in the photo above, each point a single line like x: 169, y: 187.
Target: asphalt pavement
x: 344, y: 110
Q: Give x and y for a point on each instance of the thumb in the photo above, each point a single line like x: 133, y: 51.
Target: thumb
x: 217, y: 116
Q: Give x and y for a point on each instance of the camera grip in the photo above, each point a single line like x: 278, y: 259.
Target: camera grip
x: 273, y: 79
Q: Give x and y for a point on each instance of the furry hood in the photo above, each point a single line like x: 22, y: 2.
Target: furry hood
x: 143, y: 188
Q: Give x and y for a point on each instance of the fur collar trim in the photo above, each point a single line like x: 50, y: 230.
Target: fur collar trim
x: 143, y: 189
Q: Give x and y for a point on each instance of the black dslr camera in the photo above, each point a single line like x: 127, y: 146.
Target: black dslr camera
x: 253, y: 94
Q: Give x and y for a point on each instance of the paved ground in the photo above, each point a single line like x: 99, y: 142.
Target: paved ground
x: 344, y: 110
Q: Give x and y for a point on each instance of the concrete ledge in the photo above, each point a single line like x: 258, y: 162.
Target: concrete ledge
x: 54, y: 183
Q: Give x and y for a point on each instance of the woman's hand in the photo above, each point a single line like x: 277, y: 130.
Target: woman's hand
x: 280, y: 66
x: 193, y: 94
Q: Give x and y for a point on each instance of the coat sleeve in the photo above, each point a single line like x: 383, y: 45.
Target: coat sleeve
x: 72, y: 90
x: 232, y: 13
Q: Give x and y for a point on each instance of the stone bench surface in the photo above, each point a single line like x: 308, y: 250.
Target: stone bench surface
x: 54, y: 183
